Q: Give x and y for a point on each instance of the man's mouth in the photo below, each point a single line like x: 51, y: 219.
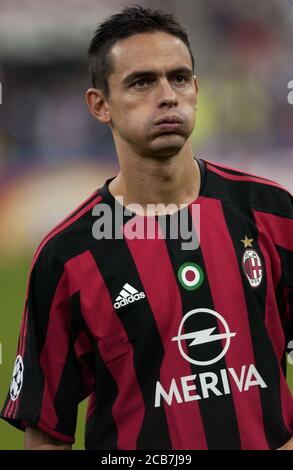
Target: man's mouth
x: 169, y: 123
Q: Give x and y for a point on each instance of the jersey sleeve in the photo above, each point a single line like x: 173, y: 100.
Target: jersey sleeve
x: 282, y: 230
x: 285, y: 249
x: 51, y: 374
x: 277, y: 225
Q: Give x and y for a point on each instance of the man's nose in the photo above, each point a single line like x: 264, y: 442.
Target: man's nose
x: 167, y: 95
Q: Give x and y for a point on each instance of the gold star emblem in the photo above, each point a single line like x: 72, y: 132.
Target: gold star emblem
x: 247, y: 241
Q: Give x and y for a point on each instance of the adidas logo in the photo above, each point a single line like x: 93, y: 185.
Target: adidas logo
x: 128, y: 295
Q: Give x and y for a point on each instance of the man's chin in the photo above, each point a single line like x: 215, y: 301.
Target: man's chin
x: 168, y: 145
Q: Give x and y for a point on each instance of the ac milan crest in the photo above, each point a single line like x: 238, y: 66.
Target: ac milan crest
x: 252, y: 267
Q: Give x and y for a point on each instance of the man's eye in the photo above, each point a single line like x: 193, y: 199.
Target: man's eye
x: 141, y: 83
x: 180, y: 79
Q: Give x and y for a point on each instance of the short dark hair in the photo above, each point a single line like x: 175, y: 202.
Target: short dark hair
x: 130, y: 21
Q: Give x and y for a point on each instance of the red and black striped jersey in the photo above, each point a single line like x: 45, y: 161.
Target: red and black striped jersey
x: 176, y: 348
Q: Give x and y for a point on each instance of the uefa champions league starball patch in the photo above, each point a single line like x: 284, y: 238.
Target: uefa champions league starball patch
x: 190, y: 276
x: 252, y: 267
x: 17, y: 378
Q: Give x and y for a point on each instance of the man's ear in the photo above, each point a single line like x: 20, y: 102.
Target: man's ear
x: 98, y: 105
x: 195, y: 80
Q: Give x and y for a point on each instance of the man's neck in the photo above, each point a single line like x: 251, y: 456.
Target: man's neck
x: 142, y: 181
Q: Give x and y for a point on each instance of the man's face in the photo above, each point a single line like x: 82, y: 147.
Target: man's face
x: 152, y: 81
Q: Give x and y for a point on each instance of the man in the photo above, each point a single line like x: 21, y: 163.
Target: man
x: 178, y: 346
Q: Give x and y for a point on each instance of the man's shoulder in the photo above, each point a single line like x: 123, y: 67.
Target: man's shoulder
x: 71, y: 236
x: 245, y: 189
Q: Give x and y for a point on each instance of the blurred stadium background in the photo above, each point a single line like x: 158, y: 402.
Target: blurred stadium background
x: 53, y: 154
